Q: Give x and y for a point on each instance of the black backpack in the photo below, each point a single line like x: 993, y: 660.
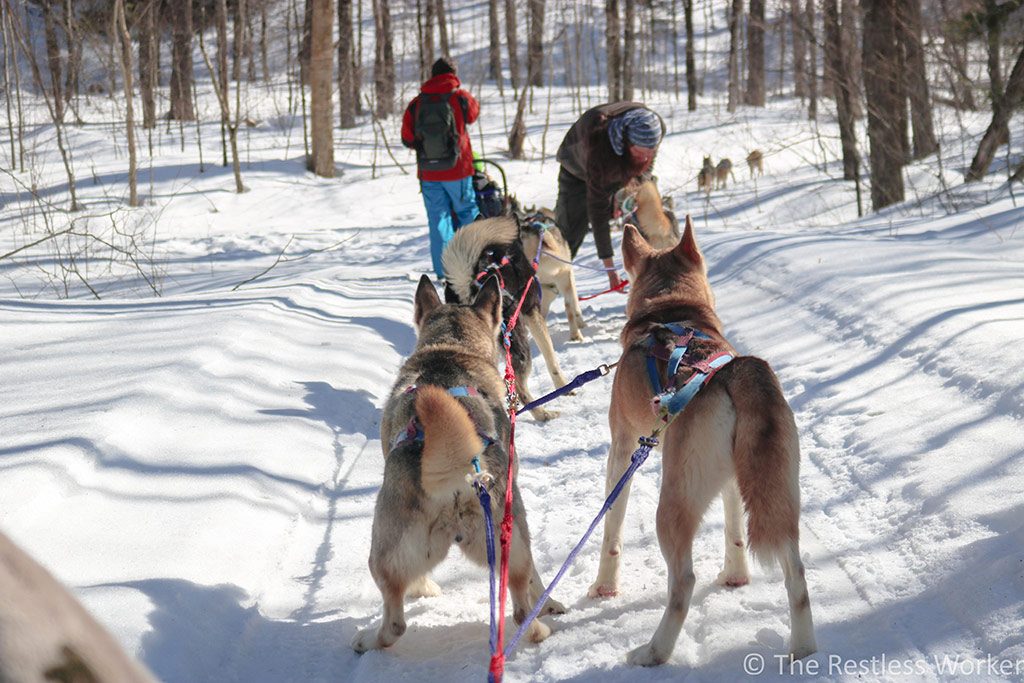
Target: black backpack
x: 436, y: 133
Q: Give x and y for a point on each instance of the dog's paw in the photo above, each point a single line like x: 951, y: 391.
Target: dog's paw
x: 538, y: 631
x: 733, y: 578
x: 366, y: 640
x: 577, y: 336
x: 603, y: 590
x: 645, y: 655
x: 552, y: 606
x: 425, y: 587
x: 543, y: 414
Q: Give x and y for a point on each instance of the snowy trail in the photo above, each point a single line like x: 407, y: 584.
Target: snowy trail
x: 202, y: 468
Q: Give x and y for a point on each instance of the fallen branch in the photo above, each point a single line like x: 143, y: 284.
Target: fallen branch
x: 281, y: 258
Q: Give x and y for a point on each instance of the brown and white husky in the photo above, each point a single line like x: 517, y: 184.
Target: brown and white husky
x: 737, y: 437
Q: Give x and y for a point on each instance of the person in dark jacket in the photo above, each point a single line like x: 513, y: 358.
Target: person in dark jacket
x: 447, y: 184
x: 606, y: 147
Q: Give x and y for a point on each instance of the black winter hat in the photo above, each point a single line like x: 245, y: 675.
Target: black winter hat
x: 442, y: 66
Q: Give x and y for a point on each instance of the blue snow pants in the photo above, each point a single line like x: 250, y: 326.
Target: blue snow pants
x: 450, y: 205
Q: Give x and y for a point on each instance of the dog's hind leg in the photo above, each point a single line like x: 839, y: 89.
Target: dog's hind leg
x: 539, y: 329
x: 521, y: 573
x: 522, y: 363
x: 801, y: 623
x: 566, y: 283
x: 735, y: 572
x: 677, y: 523
x: 607, y: 583
x: 393, y: 624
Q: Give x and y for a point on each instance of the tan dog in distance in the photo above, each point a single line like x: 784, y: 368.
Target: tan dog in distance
x: 755, y: 162
x: 737, y: 437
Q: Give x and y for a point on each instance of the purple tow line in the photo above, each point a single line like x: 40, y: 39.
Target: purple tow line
x: 636, y: 460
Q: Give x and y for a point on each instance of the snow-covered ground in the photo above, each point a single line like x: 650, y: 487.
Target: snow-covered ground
x: 201, y: 467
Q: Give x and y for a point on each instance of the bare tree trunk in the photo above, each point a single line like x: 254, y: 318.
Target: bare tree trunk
x: 121, y: 30
x: 58, y: 124
x: 837, y: 66
x: 8, y: 92
x: 241, y: 18
x: 735, y: 11
x: 181, y: 61
x: 384, y: 60
x: 881, y: 81
x: 428, y: 39
x: 755, y: 94
x: 147, y: 62
x: 321, y: 71
x: 8, y: 31
x: 346, y: 68
x: 221, y: 80
x: 304, y: 43
x: 799, y: 49
x: 264, y: 62
x: 674, y: 21
x: 535, y: 52
x: 995, y: 76
x: 812, y: 62
x: 613, y: 47
x: 917, y: 79
x: 1012, y: 98
x: 53, y: 56
x: 442, y: 25
x: 850, y: 42
x: 517, y: 136
x: 510, y: 38
x: 691, y: 66
x: 357, y: 60
x: 220, y: 88
x: 629, y: 50
x: 494, y: 42
x: 74, y: 60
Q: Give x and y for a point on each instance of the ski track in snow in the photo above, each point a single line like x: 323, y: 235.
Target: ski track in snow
x: 202, y: 468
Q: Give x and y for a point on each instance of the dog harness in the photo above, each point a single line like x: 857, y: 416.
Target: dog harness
x: 683, y: 348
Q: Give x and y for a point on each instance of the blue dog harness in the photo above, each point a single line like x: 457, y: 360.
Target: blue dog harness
x: 687, y: 352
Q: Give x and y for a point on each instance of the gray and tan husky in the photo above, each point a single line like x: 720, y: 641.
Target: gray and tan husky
x: 737, y: 437
x: 446, y: 409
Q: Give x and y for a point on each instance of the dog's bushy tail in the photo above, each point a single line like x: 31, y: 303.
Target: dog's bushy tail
x: 766, y: 454
x: 450, y: 442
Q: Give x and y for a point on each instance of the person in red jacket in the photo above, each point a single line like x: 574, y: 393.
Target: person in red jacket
x: 434, y: 125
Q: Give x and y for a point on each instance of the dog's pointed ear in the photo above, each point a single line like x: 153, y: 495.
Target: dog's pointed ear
x: 634, y: 248
x: 426, y: 301
x: 687, y: 249
x: 488, y: 301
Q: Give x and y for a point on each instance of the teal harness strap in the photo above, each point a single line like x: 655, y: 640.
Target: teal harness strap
x: 668, y: 400
x: 414, y: 430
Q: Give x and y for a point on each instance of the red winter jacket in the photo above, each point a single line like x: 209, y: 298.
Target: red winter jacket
x: 462, y: 103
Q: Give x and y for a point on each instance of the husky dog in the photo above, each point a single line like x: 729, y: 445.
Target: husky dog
x: 493, y: 245
x: 706, y: 176
x: 46, y: 634
x: 722, y: 171
x: 755, y: 162
x: 737, y: 437
x: 554, y: 274
x: 651, y: 213
x: 445, y: 411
